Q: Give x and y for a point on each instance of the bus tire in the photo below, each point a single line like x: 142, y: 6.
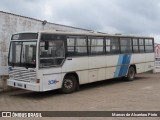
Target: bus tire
x: 69, y: 85
x: 131, y: 73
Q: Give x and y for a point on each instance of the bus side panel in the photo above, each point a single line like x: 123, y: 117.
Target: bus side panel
x: 112, y: 62
x: 101, y: 74
x: 123, y: 62
x: 97, y: 62
x: 97, y: 66
x: 139, y: 60
x: 110, y: 71
x: 73, y: 64
x: 149, y: 66
x: 51, y: 78
x: 97, y: 75
x: 52, y: 82
x: 78, y: 65
x: 150, y: 62
x: 150, y: 57
x: 140, y: 67
x: 93, y: 75
x: 144, y: 62
x: 83, y: 77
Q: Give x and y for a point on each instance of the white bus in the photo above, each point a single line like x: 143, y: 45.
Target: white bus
x: 46, y: 61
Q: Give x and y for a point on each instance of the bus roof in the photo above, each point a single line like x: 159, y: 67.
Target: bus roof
x: 99, y: 34
x: 93, y: 34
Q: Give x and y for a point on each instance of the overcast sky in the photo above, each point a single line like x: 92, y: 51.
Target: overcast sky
x: 138, y: 17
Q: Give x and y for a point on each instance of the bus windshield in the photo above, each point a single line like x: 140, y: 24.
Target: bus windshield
x: 22, y: 54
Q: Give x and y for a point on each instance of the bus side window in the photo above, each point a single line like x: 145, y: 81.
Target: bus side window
x: 81, y: 45
x: 126, y: 46
x: 96, y: 45
x: 115, y: 46
x: 135, y: 45
x: 141, y: 45
x: 108, y: 45
x: 76, y: 45
x: 149, y: 45
x: 71, y: 46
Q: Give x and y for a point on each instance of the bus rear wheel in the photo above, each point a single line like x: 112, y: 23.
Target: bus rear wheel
x: 131, y: 73
x: 69, y: 85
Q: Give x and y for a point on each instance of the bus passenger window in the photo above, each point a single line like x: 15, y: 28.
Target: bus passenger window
x: 115, y: 46
x: 96, y: 45
x: 108, y: 45
x: 135, y: 45
x: 149, y: 47
x: 54, y: 55
x: 141, y: 45
x: 126, y: 46
x: 76, y: 45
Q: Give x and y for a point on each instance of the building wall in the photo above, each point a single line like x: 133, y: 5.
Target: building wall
x: 157, y: 58
x: 11, y: 23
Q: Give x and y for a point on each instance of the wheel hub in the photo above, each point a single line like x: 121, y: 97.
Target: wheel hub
x: 68, y: 84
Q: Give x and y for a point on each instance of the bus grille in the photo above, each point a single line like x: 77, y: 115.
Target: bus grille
x: 22, y: 75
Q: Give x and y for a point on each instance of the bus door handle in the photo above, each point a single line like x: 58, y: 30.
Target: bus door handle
x: 69, y: 59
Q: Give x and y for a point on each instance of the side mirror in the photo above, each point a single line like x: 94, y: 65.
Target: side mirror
x: 46, y: 46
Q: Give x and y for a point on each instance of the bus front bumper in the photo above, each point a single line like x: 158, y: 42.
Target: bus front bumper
x: 24, y: 85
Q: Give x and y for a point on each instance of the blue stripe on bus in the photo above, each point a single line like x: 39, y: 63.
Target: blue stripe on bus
x: 120, y: 59
x: 122, y: 65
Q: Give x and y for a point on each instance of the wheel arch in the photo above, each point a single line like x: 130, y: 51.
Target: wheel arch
x: 74, y: 74
x: 133, y: 65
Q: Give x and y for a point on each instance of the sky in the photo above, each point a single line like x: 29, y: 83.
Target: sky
x: 136, y: 17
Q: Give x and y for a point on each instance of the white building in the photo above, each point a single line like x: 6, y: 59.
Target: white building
x: 12, y: 23
x: 157, y: 58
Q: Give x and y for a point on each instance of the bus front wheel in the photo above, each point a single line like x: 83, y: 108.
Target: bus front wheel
x: 131, y: 73
x: 69, y: 84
